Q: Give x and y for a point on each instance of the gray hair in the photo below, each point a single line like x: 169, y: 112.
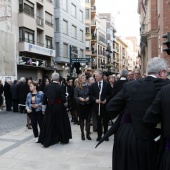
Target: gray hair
x: 55, y: 76
x: 99, y: 72
x: 124, y: 73
x: 155, y: 65
x: 22, y: 79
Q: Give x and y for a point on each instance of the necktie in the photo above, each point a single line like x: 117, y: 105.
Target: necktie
x: 100, y: 85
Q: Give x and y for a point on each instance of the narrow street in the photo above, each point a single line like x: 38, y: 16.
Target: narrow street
x: 18, y: 150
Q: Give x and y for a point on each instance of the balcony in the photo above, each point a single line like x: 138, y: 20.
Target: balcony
x: 27, y: 11
x: 94, y: 53
x: 49, y: 46
x: 40, y: 21
x: 40, y: 44
x: 27, y: 46
x: 93, y: 11
x: 93, y: 39
x: 26, y: 40
x: 102, y: 39
x: 49, y: 23
x: 92, y: 2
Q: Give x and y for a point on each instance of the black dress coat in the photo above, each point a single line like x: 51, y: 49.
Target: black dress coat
x: 156, y: 113
x: 7, y: 91
x: 134, y: 146
x: 56, y: 125
x: 22, y: 91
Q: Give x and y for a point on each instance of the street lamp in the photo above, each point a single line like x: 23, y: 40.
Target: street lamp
x: 108, y: 52
x: 102, y: 66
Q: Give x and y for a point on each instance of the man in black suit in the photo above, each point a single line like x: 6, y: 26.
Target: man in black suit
x: 119, y: 83
x: 134, y: 145
x: 100, y: 95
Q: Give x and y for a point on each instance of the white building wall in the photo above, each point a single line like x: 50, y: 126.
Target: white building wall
x: 63, y: 38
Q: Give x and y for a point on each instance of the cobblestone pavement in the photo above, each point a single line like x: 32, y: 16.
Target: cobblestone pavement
x: 10, y: 121
x: 18, y: 150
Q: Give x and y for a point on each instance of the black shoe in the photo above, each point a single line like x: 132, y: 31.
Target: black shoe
x: 82, y: 136
x: 88, y: 137
x: 98, y: 138
x: 107, y: 139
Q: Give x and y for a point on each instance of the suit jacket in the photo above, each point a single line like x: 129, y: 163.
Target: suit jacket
x: 94, y: 94
x: 135, y: 97
x: 159, y: 111
x: 118, y: 85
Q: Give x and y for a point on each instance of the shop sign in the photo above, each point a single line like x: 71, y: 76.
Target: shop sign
x: 38, y: 49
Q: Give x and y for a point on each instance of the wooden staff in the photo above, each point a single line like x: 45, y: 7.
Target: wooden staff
x: 99, y: 103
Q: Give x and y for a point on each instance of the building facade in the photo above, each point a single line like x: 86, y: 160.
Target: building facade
x: 121, y: 56
x: 32, y: 21
x: 90, y: 32
x: 69, y: 30
x: 110, y: 36
x: 154, y: 21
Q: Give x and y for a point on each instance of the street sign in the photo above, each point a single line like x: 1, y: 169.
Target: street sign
x: 82, y: 60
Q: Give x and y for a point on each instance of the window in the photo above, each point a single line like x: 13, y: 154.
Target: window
x: 48, y: 42
x: 26, y: 35
x: 57, y: 24
x: 73, y: 8
x: 65, y: 50
x: 87, y: 29
x: 87, y: 1
x: 87, y: 45
x: 65, y: 5
x: 81, y: 16
x: 87, y: 14
x: 56, y: 3
x: 81, y: 53
x: 27, y: 7
x: 81, y: 35
x: 74, y: 31
x: 48, y: 19
x: 65, y: 27
x: 57, y: 49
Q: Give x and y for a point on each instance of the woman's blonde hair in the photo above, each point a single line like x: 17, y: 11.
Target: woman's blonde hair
x: 79, y: 83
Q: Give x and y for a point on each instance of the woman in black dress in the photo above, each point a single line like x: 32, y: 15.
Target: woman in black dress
x: 56, y: 126
x: 82, y: 97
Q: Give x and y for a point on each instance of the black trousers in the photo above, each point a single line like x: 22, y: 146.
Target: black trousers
x: 102, y: 119
x: 8, y: 104
x: 15, y: 105
x: 36, y: 119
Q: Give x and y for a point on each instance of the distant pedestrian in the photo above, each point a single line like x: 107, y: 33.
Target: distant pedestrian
x: 1, y: 92
x: 8, y: 95
x: 14, y: 96
x: 22, y: 91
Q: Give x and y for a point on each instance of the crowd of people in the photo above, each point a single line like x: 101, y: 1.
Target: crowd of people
x: 129, y: 99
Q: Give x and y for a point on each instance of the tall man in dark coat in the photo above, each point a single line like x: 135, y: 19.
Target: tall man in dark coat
x: 119, y: 83
x: 159, y: 112
x: 102, y: 89
x: 14, y: 96
x: 134, y: 145
x: 22, y: 91
x: 8, y: 95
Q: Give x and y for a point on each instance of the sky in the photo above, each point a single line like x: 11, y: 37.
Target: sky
x: 125, y: 13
